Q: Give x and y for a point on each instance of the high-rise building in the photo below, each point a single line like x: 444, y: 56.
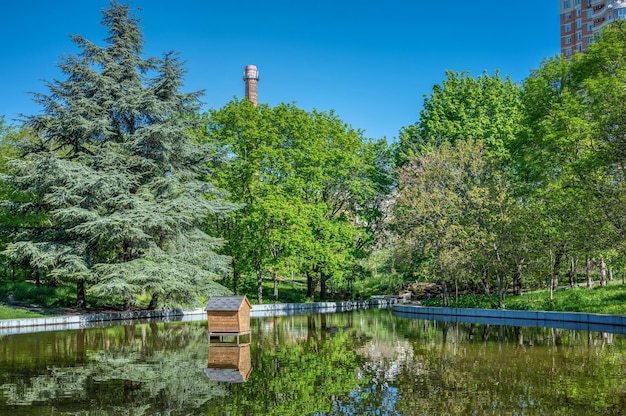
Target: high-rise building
x: 580, y: 19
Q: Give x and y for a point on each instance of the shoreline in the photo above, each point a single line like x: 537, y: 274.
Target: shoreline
x: 593, y: 322
x: 85, y: 321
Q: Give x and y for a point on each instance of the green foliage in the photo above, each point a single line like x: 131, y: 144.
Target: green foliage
x: 451, y: 214
x: 11, y: 313
x: 609, y: 300
x: 484, y: 109
x: 548, y: 198
x: 312, y: 188
x: 118, y: 177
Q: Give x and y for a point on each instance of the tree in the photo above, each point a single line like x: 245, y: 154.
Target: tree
x: 486, y: 108
x: 312, y: 188
x: 569, y: 157
x: 117, y: 172
x: 452, y: 215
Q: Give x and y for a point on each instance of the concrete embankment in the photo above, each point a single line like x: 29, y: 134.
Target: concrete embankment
x: 565, y: 320
x: 68, y: 322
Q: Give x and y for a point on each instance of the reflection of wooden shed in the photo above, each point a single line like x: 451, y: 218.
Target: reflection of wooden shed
x: 229, y: 363
x: 228, y: 315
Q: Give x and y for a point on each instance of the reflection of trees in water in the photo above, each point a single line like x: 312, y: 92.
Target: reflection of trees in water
x: 326, y: 364
x: 136, y: 369
x: 483, y: 369
x: 317, y: 364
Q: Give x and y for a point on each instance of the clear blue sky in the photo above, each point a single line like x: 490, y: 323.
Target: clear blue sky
x: 370, y: 61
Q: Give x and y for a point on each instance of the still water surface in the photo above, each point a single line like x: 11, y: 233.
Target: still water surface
x: 356, y: 363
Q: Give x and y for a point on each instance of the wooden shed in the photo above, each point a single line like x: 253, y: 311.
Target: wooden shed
x: 228, y: 315
x: 229, y: 363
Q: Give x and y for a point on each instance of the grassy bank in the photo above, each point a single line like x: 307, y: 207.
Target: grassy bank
x: 606, y: 300
x: 12, y: 313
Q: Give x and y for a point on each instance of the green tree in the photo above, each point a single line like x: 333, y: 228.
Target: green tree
x: 312, y: 188
x: 569, y: 156
x: 486, y: 108
x: 120, y: 177
x: 452, y: 214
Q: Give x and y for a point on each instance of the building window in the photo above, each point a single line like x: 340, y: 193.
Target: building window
x: 568, y: 27
x: 579, y: 24
x: 579, y: 47
x: 579, y: 12
x: 579, y: 36
x: 589, y: 40
x: 567, y: 4
x: 589, y: 14
x: 568, y: 40
x: 589, y: 27
x: 568, y: 16
x: 568, y: 51
x: 577, y: 2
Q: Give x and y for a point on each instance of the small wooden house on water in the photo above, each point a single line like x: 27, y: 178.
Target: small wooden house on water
x: 228, y: 316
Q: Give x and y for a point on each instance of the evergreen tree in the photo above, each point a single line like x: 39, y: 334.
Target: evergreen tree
x: 123, y: 183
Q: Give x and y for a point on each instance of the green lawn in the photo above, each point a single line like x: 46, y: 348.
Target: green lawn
x: 10, y: 313
x: 606, y: 300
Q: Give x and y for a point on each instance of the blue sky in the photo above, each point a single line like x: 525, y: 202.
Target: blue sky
x: 371, y: 62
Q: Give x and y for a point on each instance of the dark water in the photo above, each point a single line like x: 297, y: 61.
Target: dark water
x: 358, y: 363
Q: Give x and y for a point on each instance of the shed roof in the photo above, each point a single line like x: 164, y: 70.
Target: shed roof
x: 226, y: 303
x: 228, y: 375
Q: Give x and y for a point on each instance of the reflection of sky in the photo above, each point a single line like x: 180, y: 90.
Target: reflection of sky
x: 387, y: 359
x: 384, y: 361
x: 377, y: 399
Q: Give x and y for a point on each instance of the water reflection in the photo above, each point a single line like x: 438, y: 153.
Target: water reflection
x: 229, y: 362
x: 357, y: 363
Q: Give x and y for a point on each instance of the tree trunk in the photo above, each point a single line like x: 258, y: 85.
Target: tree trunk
x: 323, y: 280
x: 154, y: 301
x: 603, y: 273
x: 517, y: 280
x: 589, y: 277
x: 259, y: 279
x: 311, y: 283
x: 572, y: 271
x: 551, y: 277
x: 557, y: 268
x: 487, y: 290
x: 81, y: 303
x: 275, y: 287
x: 235, y: 278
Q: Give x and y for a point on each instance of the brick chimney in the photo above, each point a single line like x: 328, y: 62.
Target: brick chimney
x: 251, y: 77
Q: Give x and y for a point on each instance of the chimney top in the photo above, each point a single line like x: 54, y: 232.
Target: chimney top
x: 251, y: 72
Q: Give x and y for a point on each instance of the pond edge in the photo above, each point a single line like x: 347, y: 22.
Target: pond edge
x: 83, y: 321
x: 566, y: 320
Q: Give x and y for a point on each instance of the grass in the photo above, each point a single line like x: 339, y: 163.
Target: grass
x: 44, y: 296
x: 11, y: 313
x: 605, y: 300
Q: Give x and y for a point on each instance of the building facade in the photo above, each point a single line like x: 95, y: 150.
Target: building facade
x: 580, y: 19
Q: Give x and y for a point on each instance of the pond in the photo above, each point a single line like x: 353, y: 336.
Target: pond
x: 355, y: 363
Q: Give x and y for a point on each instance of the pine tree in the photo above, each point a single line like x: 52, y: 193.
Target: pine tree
x: 122, y: 181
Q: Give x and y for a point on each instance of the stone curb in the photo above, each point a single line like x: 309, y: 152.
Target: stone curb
x: 69, y: 322
x: 566, y: 320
